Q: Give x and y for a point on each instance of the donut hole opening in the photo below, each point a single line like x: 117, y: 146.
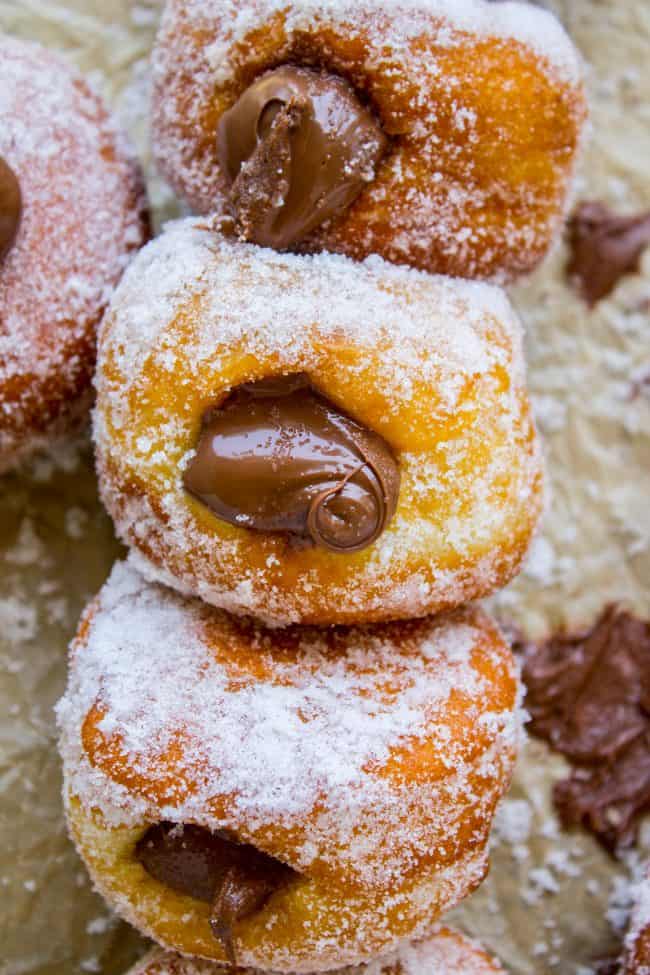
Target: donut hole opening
x: 235, y: 879
x: 277, y: 456
x: 297, y: 148
x: 309, y: 54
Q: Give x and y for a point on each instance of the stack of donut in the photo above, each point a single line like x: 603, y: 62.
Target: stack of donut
x: 286, y: 731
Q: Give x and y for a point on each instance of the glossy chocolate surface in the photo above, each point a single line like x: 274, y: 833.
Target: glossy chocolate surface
x: 298, y: 147
x: 10, y: 207
x: 235, y: 879
x: 279, y: 457
x: 589, y: 697
x: 604, y: 247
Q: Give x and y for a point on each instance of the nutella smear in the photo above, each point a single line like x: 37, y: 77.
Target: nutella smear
x: 588, y: 695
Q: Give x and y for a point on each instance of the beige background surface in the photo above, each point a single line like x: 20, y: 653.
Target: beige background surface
x: 549, y: 901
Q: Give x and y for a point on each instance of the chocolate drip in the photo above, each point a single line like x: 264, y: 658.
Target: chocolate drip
x: 278, y: 457
x: 10, y: 207
x: 243, y: 890
x: 235, y: 879
x: 298, y: 147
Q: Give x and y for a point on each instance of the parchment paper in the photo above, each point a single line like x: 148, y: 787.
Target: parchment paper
x: 552, y: 897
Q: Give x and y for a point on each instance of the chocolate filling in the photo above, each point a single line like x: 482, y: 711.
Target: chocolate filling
x: 235, y: 879
x: 10, y: 207
x: 588, y: 695
x: 603, y: 248
x: 297, y: 148
x: 278, y: 457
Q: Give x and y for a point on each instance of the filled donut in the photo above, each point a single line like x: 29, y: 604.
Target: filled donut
x: 294, y: 799
x: 442, y: 135
x: 308, y: 439
x: 445, y: 953
x: 72, y: 213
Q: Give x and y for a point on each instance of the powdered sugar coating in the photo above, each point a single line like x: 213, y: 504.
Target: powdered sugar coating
x: 537, y: 29
x: 454, y: 83
x: 83, y: 217
x: 445, y: 953
x: 369, y: 759
x: 272, y: 726
x: 432, y: 364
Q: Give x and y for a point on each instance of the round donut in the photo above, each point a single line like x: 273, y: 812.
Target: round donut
x: 72, y: 213
x: 345, y: 778
x: 429, y: 370
x: 446, y: 952
x: 477, y: 107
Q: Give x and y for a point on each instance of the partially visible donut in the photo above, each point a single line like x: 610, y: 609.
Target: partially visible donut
x: 296, y: 799
x: 72, y: 213
x: 446, y: 952
x: 442, y: 134
x: 422, y: 378
x: 636, y: 957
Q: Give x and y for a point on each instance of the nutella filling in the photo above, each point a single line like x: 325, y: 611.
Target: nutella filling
x: 603, y: 248
x: 297, y: 148
x: 278, y: 457
x: 588, y: 695
x: 235, y: 879
x: 10, y: 207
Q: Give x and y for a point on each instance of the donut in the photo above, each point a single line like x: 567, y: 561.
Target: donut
x: 636, y: 954
x: 446, y: 952
x: 308, y: 439
x: 441, y: 134
x: 72, y: 213
x: 292, y: 799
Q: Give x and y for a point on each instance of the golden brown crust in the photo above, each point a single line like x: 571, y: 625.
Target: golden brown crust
x: 84, y: 215
x: 446, y: 952
x: 637, y: 961
x: 636, y: 955
x: 307, y: 927
x: 433, y: 365
x: 383, y: 752
x: 484, y: 117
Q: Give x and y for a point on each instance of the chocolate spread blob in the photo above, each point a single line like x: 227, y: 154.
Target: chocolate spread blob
x: 297, y: 148
x: 278, y: 457
x: 235, y: 879
x: 604, y: 247
x: 589, y: 697
x: 10, y: 207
